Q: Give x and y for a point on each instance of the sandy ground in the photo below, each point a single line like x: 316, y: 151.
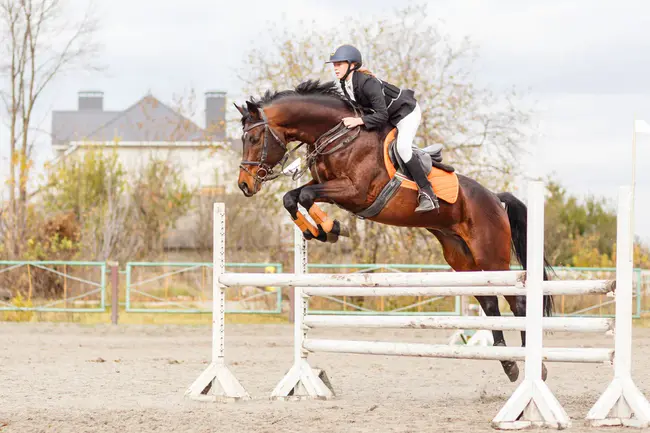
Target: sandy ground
x: 51, y: 381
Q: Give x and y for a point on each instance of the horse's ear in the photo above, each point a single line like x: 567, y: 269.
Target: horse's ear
x: 241, y: 110
x: 254, y: 110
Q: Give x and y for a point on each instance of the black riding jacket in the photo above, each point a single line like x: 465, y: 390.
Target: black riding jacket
x: 382, y: 102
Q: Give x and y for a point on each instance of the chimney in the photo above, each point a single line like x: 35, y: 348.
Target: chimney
x: 215, y: 114
x: 91, y: 100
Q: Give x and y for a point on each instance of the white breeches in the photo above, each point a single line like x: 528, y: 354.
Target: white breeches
x: 407, y: 128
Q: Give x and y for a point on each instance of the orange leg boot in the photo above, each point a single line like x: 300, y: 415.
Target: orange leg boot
x: 304, y: 225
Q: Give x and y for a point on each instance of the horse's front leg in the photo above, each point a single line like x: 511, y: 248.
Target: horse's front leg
x: 308, y: 230
x: 337, y: 190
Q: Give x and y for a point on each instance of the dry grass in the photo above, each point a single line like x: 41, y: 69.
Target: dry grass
x: 140, y: 318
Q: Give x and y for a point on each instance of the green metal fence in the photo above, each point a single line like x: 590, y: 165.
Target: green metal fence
x: 53, y: 286
x: 643, y: 298
x: 186, y: 287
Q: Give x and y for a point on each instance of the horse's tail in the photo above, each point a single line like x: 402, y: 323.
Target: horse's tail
x: 518, y: 217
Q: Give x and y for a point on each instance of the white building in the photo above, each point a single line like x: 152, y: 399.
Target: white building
x: 150, y: 128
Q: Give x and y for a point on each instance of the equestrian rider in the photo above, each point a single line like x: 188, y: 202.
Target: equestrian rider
x: 385, y: 103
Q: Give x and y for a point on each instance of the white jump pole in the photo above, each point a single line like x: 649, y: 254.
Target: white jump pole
x: 533, y: 403
x: 503, y: 323
x: 420, y: 350
x: 217, y: 383
x: 622, y: 403
x: 301, y: 382
x: 374, y: 280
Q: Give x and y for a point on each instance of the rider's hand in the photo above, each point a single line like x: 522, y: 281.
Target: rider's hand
x: 351, y: 122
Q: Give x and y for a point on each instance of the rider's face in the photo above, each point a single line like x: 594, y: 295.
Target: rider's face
x: 340, y: 68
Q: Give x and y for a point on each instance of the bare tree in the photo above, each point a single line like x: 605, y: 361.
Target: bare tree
x: 39, y: 44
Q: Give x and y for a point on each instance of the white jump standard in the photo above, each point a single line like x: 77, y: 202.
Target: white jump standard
x: 623, y: 403
x: 217, y: 382
x: 532, y: 404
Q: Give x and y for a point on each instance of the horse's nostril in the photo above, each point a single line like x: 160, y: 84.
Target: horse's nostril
x: 244, y: 187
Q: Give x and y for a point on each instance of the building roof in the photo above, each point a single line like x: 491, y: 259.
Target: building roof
x: 147, y: 120
x: 70, y: 126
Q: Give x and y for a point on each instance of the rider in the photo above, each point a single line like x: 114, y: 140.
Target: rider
x: 386, y: 104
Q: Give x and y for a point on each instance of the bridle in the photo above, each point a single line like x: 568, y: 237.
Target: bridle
x: 265, y: 169
x: 323, y: 141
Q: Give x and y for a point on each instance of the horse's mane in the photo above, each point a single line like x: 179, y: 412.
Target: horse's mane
x: 327, y: 93
x: 306, y: 88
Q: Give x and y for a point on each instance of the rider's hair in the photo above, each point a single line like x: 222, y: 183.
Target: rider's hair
x: 366, y: 71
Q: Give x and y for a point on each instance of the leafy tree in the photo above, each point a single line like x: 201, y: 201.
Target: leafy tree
x: 583, y: 232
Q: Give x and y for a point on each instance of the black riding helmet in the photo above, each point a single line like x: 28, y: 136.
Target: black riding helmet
x: 347, y: 53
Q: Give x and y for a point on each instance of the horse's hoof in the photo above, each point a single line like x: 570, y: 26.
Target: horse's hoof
x: 544, y: 372
x: 511, y: 369
x: 307, y: 235
x: 332, y: 238
x: 339, y: 230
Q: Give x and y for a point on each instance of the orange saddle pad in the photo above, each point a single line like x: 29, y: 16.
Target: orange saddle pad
x: 444, y: 184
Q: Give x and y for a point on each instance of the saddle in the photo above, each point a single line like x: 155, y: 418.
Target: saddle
x: 442, y: 176
x: 429, y: 157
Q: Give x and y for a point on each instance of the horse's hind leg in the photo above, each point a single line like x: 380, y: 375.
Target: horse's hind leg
x: 459, y: 256
x: 490, y: 305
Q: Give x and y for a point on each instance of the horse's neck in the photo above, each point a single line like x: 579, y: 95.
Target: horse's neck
x: 310, y: 120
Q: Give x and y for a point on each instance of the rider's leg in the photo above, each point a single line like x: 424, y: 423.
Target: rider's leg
x: 407, y: 128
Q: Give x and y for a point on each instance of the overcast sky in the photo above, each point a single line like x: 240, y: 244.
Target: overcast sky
x: 585, y: 64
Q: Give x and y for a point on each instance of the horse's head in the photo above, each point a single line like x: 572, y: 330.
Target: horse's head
x: 303, y: 114
x: 263, y: 148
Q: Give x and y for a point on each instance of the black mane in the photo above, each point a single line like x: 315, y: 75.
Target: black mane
x: 312, y: 87
x: 306, y: 88
x: 327, y: 93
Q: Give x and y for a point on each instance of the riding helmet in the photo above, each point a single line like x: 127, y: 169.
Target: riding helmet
x: 346, y: 53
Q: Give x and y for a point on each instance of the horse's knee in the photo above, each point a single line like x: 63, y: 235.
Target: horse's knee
x: 290, y: 201
x: 306, y: 198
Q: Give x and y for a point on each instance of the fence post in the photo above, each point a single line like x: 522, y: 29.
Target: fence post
x: 115, y: 292
x: 292, y: 304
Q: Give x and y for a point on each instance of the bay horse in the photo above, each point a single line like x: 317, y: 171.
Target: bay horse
x: 348, y: 169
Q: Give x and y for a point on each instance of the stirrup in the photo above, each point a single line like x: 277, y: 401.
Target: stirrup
x: 427, y: 204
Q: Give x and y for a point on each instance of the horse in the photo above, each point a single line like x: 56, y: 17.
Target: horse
x: 478, y: 230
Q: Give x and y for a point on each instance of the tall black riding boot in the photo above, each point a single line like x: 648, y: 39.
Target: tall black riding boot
x: 427, y: 199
